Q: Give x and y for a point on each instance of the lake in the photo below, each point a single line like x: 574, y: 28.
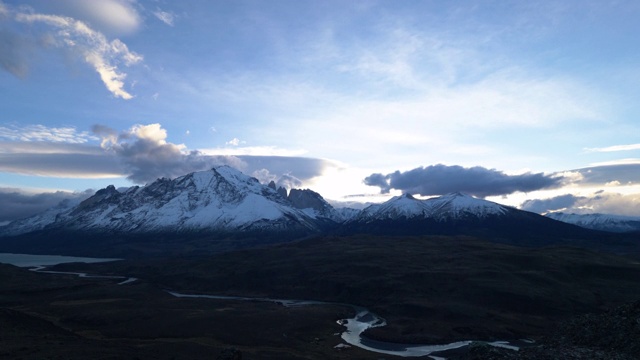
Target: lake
x: 27, y: 260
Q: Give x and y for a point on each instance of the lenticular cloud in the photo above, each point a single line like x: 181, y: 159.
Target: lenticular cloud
x: 146, y: 154
x: 478, y: 181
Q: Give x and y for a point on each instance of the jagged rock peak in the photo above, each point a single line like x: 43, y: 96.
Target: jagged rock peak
x: 100, y: 195
x: 280, y: 190
x: 305, y: 199
x: 108, y: 190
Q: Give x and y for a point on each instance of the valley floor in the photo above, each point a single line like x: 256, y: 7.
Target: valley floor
x: 429, y: 289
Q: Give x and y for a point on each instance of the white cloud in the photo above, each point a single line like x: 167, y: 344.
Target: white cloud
x: 43, y: 133
x: 615, y: 148
x: 146, y: 155
x: 235, y: 142
x: 152, y: 132
x: 407, y: 108
x: 164, y: 16
x: 113, y: 16
x: 608, y: 203
x: 91, y: 46
x: 628, y: 161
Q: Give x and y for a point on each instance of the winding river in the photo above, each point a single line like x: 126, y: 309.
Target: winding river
x: 355, y: 327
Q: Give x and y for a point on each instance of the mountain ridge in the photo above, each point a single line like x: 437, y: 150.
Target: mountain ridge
x: 224, y: 205
x: 218, y: 199
x: 597, y: 221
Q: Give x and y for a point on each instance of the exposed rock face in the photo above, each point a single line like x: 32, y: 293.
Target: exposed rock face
x: 100, y: 195
x: 305, y: 199
x: 280, y: 190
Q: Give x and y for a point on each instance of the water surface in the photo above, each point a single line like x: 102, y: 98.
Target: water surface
x: 27, y: 260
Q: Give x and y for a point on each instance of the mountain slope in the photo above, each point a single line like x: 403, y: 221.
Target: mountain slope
x: 221, y: 199
x: 603, y: 222
x: 447, y: 207
x: 460, y: 214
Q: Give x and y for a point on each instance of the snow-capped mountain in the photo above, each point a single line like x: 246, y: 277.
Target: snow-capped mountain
x: 221, y: 199
x: 181, y: 215
x: 446, y: 207
x: 603, y: 222
x: 398, y: 207
x: 458, y: 214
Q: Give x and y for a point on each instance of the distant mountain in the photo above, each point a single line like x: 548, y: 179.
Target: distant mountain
x: 454, y: 206
x: 603, y: 222
x: 460, y: 214
x: 221, y: 199
x: 222, y: 209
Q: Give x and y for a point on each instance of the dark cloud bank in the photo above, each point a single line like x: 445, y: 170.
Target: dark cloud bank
x: 478, y: 181
x: 142, y: 154
x: 145, y: 156
x: 542, y: 206
x: 18, y: 205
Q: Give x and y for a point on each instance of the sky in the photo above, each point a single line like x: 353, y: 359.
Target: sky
x: 530, y: 104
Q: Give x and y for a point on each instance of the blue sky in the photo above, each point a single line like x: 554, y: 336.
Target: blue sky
x: 531, y: 104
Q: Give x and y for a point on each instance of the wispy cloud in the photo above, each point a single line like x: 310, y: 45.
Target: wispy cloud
x: 614, y: 148
x: 625, y: 172
x: 164, y: 16
x: 57, y: 155
x: 62, y: 165
x: 141, y: 153
x: 254, y: 151
x: 44, y: 133
x: 111, y: 16
x: 91, y: 46
x: 418, y: 96
x: 14, y: 51
x: 598, y: 202
x: 235, y: 142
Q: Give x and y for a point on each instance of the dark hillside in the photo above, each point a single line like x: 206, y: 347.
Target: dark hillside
x: 432, y: 288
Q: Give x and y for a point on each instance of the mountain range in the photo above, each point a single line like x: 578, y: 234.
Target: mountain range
x: 223, y: 202
x: 221, y: 199
x: 604, y: 222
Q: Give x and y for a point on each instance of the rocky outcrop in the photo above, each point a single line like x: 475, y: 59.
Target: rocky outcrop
x: 280, y: 190
x: 307, y: 199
